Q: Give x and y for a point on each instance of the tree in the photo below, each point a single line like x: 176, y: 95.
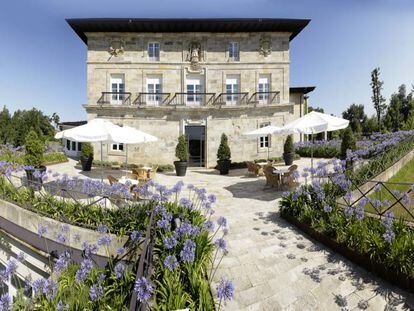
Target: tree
x: 54, y: 119
x: 356, y: 116
x: 348, y: 142
x: 181, y: 150
x: 377, y: 98
x: 223, y: 152
x: 317, y: 109
x: 394, y: 118
x: 371, y: 125
x: 5, y: 125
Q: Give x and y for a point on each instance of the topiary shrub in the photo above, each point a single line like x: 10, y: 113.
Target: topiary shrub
x: 87, y: 150
x: 223, y: 152
x: 181, y: 150
x: 348, y: 142
x: 288, y: 147
x: 34, y: 150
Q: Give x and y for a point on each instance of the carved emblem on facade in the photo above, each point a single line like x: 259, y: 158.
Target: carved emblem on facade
x: 265, y: 45
x: 195, y: 55
x: 116, y: 48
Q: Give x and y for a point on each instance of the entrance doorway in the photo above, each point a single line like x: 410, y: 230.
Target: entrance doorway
x: 195, y: 135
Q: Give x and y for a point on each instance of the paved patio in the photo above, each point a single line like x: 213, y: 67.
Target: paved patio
x: 273, y: 265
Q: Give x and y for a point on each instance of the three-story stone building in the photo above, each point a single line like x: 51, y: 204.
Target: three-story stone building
x: 198, y: 77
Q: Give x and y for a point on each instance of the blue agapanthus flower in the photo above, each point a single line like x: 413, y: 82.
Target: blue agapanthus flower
x: 143, y: 289
x: 171, y: 262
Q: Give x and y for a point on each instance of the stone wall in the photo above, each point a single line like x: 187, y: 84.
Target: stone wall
x: 174, y: 65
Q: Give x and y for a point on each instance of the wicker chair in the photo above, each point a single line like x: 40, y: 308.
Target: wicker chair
x: 112, y: 180
x: 153, y: 172
x: 142, y: 174
x: 254, y: 169
x: 272, y: 179
x: 288, y: 179
x: 132, y: 176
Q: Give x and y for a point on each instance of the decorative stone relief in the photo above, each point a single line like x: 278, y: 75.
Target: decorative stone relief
x: 195, y: 55
x: 265, y: 45
x: 116, y: 48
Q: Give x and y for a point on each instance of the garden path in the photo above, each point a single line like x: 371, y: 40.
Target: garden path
x: 273, y: 265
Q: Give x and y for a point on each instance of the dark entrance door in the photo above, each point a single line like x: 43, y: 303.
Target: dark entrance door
x: 196, y: 144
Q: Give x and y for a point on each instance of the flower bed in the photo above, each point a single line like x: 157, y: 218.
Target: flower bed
x: 321, y: 148
x: 186, y: 246
x: 388, y: 243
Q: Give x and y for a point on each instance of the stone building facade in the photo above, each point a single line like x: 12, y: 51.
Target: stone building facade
x: 198, y: 77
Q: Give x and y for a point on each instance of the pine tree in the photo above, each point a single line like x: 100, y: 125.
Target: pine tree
x: 377, y: 98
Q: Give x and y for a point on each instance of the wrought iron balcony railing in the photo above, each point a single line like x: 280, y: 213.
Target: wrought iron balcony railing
x: 192, y: 99
x: 231, y: 99
x: 115, y: 98
x: 265, y: 98
x: 152, y: 99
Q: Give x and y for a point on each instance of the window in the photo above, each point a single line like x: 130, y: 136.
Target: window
x: 194, y: 90
x: 264, y: 141
x: 117, y: 88
x: 232, y: 88
x: 234, y: 51
x: 73, y: 145
x: 263, y: 88
x: 118, y: 147
x: 154, y: 51
x: 154, y: 87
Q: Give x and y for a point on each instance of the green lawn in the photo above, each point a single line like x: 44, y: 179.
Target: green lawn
x: 401, y: 182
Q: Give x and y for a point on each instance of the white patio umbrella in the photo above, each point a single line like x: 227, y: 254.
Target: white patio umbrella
x: 313, y: 123
x: 96, y: 130
x: 266, y: 130
x: 129, y: 135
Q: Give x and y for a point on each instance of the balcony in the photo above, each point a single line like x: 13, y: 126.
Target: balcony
x: 152, y: 99
x: 192, y: 99
x: 231, y: 99
x: 265, y: 98
x: 115, y: 98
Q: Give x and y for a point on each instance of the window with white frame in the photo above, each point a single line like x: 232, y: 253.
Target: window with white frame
x: 154, y: 87
x: 154, y: 51
x: 232, y: 88
x: 263, y: 88
x: 73, y: 145
x: 264, y: 141
x: 117, y: 147
x: 234, y: 54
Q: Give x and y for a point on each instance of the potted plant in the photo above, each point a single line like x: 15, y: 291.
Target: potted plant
x: 34, y: 150
x: 86, y: 157
x: 223, y: 155
x: 348, y: 143
x: 181, y: 152
x: 288, y: 151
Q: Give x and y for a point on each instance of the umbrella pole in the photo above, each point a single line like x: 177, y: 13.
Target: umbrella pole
x: 102, y: 174
x: 312, y: 151
x: 126, y: 159
x: 268, y: 144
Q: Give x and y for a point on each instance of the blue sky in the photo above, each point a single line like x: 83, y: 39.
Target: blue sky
x: 42, y: 61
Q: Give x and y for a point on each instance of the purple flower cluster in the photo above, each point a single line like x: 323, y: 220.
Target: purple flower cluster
x: 225, y: 290
x: 143, y: 289
x: 387, y: 222
x: 171, y: 262
x: 187, y: 254
x: 96, y: 292
x: 84, y: 270
x: 119, y: 270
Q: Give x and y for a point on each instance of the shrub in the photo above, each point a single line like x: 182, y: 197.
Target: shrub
x: 181, y: 150
x: 34, y: 150
x: 223, y: 152
x: 348, y: 142
x: 87, y: 150
x: 288, y: 146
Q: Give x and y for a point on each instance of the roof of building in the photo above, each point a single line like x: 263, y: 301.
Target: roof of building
x: 302, y: 89
x: 84, y: 25
x: 73, y: 123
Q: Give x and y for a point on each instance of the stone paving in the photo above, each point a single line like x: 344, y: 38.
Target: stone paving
x: 272, y: 264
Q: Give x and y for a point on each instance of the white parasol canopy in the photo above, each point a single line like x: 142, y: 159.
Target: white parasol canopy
x: 266, y: 130
x: 263, y: 131
x: 101, y: 130
x: 314, y: 123
x: 96, y: 130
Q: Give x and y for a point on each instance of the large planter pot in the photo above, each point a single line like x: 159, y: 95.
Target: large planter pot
x: 180, y: 167
x: 86, y: 163
x: 288, y: 157
x: 34, y: 177
x: 223, y: 166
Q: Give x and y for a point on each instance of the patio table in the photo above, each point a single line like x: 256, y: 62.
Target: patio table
x: 124, y: 180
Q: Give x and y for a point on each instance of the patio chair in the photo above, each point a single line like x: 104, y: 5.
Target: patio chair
x: 272, y: 179
x: 288, y: 181
x: 292, y: 168
x: 254, y: 168
x: 141, y: 173
x: 153, y: 172
x: 132, y: 176
x: 112, y: 180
